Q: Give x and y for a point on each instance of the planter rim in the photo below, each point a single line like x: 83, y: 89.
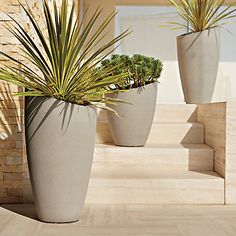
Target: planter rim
x: 199, y: 32
x: 132, y: 89
x: 52, y: 98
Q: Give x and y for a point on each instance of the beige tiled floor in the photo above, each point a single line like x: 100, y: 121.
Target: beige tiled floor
x: 101, y: 220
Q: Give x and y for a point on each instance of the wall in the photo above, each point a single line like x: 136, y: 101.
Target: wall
x: 230, y: 164
x: 213, y: 116
x: 11, y: 115
x: 107, y: 7
x: 149, y: 37
x: 220, y: 133
x: 145, y: 18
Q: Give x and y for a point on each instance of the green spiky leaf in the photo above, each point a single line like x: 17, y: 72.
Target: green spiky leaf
x: 203, y: 14
x: 63, y: 61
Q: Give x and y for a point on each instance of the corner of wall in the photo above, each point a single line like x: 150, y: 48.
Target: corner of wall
x: 230, y: 164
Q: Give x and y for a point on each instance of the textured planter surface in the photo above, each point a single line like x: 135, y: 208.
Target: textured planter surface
x: 60, y: 145
x: 134, y: 125
x: 198, y: 57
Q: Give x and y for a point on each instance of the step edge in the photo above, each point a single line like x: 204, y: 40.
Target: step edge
x: 157, y: 146
x: 205, y: 175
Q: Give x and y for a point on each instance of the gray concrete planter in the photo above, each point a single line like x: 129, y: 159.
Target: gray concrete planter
x: 134, y: 125
x: 60, y: 143
x: 198, y: 57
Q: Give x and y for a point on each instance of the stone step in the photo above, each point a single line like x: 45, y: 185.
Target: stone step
x: 126, y: 186
x: 167, y: 113
x: 161, y: 133
x: 158, y: 157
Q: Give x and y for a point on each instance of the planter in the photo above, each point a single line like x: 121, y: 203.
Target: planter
x: 198, y: 57
x: 134, y: 125
x: 60, y: 143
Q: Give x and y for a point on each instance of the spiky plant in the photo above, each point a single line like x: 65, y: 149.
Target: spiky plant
x: 142, y: 70
x: 203, y: 14
x: 61, y: 65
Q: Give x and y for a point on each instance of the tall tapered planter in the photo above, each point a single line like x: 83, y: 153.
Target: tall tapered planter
x: 198, y: 58
x: 60, y: 144
x: 133, y: 125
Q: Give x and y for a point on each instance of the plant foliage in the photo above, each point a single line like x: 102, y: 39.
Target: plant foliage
x: 61, y: 64
x: 203, y: 14
x: 141, y: 70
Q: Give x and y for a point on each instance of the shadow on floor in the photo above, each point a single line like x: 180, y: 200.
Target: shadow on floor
x: 27, y: 210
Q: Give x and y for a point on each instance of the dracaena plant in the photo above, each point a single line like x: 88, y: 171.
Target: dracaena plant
x: 142, y: 70
x: 61, y: 65
x: 201, y: 15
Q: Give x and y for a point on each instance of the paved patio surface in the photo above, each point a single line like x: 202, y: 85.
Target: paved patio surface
x: 122, y: 220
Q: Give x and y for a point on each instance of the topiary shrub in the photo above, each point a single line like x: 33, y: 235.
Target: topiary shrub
x: 141, y: 70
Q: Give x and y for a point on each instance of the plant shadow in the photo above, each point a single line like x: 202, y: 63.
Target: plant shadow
x: 11, y: 142
x: 34, y: 105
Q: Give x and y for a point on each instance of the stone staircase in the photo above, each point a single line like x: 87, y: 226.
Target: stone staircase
x: 175, y: 167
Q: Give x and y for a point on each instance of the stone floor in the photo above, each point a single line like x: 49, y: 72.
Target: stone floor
x: 122, y: 220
